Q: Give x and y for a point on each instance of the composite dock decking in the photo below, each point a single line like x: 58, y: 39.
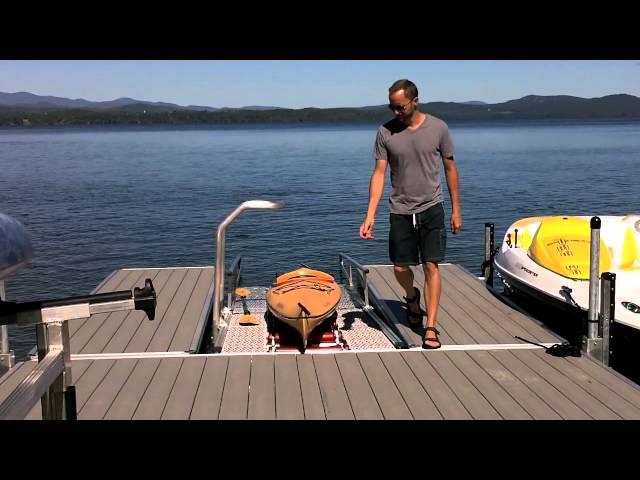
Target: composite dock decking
x: 485, y: 376
x: 469, y: 313
x: 491, y: 384
x: 184, y: 299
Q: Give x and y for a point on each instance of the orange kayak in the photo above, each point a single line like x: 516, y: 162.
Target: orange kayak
x: 303, y: 299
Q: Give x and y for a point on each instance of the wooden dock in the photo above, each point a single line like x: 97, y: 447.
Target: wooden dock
x: 480, y: 373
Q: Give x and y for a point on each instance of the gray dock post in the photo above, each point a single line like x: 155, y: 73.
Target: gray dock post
x: 55, y: 337
x: 488, y: 252
x: 608, y: 314
x: 7, y: 357
x: 15, y: 252
x: 591, y: 343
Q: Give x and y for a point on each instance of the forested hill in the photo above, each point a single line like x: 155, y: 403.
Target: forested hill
x: 23, y: 109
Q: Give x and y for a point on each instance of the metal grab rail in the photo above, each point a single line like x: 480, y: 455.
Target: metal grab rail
x: 220, y: 270
x: 233, y: 277
x: 34, y: 387
x: 364, y: 270
x: 388, y: 331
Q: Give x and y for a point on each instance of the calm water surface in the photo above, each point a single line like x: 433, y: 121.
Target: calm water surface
x: 97, y: 200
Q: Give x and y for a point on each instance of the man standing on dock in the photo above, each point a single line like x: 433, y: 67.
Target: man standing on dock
x: 413, y: 144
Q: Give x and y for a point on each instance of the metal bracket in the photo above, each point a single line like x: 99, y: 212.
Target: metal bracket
x: 7, y: 361
x: 593, y: 347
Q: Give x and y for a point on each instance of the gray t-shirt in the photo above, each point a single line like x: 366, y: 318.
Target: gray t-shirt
x: 414, y: 158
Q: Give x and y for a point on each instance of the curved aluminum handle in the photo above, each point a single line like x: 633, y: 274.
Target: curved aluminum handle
x: 219, y: 272
x: 262, y: 204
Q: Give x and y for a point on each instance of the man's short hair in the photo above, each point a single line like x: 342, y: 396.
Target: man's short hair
x: 410, y: 89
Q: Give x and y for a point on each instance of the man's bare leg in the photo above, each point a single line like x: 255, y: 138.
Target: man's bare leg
x: 432, y: 289
x: 404, y: 276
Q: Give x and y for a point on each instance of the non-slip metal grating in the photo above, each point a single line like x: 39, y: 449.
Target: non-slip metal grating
x: 358, y: 330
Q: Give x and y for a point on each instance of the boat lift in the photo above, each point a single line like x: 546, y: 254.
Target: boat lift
x: 50, y: 382
x: 597, y: 321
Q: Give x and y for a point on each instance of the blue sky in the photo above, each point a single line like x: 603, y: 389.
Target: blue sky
x: 315, y: 83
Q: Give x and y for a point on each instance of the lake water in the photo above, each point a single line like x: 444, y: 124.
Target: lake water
x: 99, y: 199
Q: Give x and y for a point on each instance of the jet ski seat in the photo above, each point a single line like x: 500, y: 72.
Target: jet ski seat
x: 562, y: 245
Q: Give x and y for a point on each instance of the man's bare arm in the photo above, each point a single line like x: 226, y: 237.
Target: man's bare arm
x: 451, y: 172
x: 376, y: 189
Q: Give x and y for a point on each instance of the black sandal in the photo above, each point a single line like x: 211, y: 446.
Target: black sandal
x: 414, y: 319
x: 426, y: 339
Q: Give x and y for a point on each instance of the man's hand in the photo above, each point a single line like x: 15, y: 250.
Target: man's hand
x: 366, y: 229
x: 456, y: 222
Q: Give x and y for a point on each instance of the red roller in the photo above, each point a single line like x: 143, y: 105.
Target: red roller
x: 324, y: 337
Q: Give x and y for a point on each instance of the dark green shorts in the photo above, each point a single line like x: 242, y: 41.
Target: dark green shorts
x: 426, y: 242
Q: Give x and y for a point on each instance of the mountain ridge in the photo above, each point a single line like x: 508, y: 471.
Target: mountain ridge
x: 26, y: 109
x: 31, y: 100
x: 27, y: 99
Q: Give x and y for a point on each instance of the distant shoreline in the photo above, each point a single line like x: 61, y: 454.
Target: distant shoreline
x: 620, y: 107
x: 313, y: 124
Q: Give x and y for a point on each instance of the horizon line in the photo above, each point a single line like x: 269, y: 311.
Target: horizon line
x: 300, y: 108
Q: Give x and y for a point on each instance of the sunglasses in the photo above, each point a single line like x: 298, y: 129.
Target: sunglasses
x: 399, y: 108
